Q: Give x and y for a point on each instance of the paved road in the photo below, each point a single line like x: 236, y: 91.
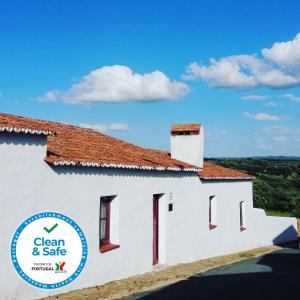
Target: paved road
x: 272, y: 276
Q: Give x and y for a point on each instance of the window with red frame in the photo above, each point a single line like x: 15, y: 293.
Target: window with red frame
x: 105, y: 203
x: 242, y: 216
x: 212, y: 214
x: 104, y: 224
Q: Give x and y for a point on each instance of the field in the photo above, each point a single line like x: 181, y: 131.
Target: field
x: 278, y: 213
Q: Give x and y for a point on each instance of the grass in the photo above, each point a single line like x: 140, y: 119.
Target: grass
x: 277, y: 213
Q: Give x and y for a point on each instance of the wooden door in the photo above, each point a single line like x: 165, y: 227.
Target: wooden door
x: 155, y: 229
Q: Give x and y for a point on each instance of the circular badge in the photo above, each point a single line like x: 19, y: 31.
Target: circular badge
x: 49, y: 250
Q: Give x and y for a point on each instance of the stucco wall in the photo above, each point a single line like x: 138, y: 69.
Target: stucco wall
x: 29, y: 185
x: 188, y: 148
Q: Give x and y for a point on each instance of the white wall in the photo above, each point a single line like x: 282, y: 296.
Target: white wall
x: 29, y: 185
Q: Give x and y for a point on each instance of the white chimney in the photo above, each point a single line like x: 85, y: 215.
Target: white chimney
x: 187, y: 143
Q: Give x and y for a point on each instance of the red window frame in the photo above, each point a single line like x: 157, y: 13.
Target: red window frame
x: 242, y: 227
x: 155, y: 259
x: 105, y: 204
x: 211, y: 225
x: 105, y: 243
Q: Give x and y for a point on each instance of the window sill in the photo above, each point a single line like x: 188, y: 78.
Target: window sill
x: 108, y: 247
x: 212, y: 226
x: 242, y: 228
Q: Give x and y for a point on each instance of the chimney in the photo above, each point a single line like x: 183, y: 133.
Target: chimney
x: 187, y: 143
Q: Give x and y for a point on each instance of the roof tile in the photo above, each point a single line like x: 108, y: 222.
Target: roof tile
x: 72, y: 145
x: 213, y: 171
x: 180, y: 128
x: 80, y: 146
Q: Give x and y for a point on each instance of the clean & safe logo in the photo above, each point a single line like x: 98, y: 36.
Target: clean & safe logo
x: 49, y: 250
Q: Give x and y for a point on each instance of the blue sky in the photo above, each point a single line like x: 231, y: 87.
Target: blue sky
x: 125, y: 68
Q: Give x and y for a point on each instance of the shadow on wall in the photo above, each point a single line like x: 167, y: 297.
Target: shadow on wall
x: 272, y: 276
x: 288, y: 234
x: 22, y: 139
x: 41, y: 140
x: 115, y: 172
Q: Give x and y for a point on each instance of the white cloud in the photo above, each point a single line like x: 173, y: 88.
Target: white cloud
x: 255, y: 97
x: 223, y: 73
x: 284, y: 134
x: 283, y: 130
x: 272, y: 104
x: 277, y: 67
x: 105, y: 127
x: 278, y: 129
x: 119, y: 84
x: 284, y: 53
x: 50, y: 96
x: 262, y: 147
x: 261, y: 117
x: 279, y: 139
x: 292, y: 98
x: 223, y: 132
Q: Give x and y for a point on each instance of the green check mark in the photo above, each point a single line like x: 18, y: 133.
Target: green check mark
x: 51, y: 229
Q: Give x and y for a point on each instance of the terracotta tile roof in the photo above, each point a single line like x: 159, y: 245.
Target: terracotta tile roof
x: 180, y: 128
x: 213, y: 171
x: 11, y: 123
x: 71, y: 145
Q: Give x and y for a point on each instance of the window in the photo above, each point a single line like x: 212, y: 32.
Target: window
x: 242, y: 216
x: 105, y: 224
x: 212, y: 212
x: 104, y: 220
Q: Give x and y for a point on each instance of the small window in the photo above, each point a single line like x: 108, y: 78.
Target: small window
x: 105, y: 220
x: 242, y: 216
x: 212, y: 214
x: 105, y: 224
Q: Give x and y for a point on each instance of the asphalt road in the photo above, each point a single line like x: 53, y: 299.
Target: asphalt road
x: 272, y: 276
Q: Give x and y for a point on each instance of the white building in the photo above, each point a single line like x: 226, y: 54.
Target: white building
x: 164, y: 208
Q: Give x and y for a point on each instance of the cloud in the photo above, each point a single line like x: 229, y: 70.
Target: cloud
x: 292, y: 98
x: 276, y: 140
x: 278, y: 129
x: 223, y: 73
x: 276, y: 67
x: 262, y: 147
x: 272, y: 104
x: 118, y: 84
x: 283, y: 130
x: 284, y: 53
x: 283, y: 133
x: 223, y: 132
x: 50, y: 96
x: 261, y: 117
x: 255, y: 97
x: 279, y: 139
x: 105, y: 127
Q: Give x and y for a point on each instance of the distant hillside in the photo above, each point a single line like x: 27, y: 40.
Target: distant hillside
x: 277, y: 158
